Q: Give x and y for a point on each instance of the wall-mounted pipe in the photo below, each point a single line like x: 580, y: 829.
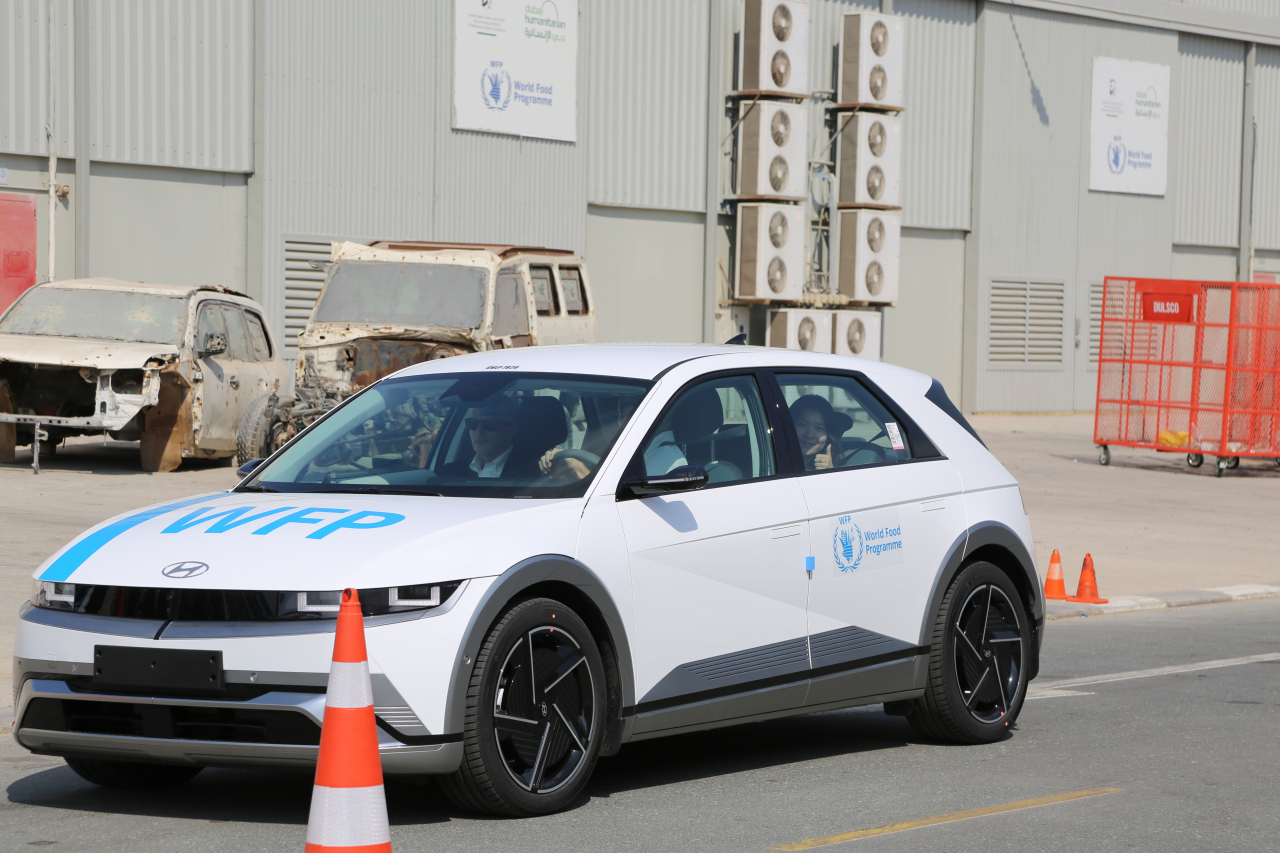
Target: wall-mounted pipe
x: 49, y: 126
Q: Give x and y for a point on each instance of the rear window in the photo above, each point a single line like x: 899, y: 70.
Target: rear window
x: 403, y: 295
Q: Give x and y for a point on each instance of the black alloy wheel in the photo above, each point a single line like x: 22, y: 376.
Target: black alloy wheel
x: 978, y: 660
x: 535, y: 714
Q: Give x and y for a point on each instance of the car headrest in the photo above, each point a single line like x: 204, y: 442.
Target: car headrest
x: 542, y: 425
x: 697, y: 416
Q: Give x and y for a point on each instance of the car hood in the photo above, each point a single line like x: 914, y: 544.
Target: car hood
x: 316, y: 541
x: 80, y: 352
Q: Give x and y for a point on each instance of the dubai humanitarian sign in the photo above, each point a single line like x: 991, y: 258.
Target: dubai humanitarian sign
x: 1129, y: 137
x: 515, y: 67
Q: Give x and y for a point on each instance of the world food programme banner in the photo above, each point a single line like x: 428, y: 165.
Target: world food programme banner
x: 515, y: 66
x: 1129, y: 139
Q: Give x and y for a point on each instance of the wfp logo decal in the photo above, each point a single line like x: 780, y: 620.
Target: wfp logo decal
x: 848, y: 544
x: 871, y: 540
x: 324, y: 518
x: 1117, y: 156
x: 495, y: 87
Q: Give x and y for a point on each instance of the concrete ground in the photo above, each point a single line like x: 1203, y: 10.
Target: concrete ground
x: 1191, y: 751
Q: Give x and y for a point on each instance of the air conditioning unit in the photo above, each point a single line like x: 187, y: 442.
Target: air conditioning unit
x: 775, y: 47
x: 806, y: 329
x: 867, y: 260
x: 773, y: 151
x: 870, y: 165
x: 871, y: 60
x: 770, y: 261
x: 856, y: 333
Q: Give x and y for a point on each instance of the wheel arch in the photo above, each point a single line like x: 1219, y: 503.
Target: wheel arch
x: 997, y: 544
x: 567, y: 580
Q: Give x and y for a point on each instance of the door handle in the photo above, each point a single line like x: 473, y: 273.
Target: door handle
x: 234, y: 382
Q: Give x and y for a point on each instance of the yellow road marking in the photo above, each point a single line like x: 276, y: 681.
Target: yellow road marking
x: 888, y: 828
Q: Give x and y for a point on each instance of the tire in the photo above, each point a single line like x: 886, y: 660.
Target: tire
x: 1233, y: 462
x: 1195, y: 460
x: 1104, y: 455
x: 531, y: 760
x: 948, y: 711
x: 128, y: 774
x: 252, y: 432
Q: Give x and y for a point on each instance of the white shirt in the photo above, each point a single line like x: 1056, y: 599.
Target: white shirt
x: 663, y: 454
x: 494, y: 468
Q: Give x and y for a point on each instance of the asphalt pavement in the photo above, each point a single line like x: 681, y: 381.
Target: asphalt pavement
x: 1189, y: 749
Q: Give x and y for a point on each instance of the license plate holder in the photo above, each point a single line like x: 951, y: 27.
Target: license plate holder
x: 162, y: 669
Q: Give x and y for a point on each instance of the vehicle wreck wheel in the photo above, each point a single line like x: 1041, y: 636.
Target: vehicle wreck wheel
x: 977, y: 662
x: 253, y: 430
x: 129, y: 774
x: 535, y: 714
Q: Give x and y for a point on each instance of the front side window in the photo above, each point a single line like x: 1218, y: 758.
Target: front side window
x: 258, y: 334
x: 719, y: 425
x: 468, y: 434
x: 839, y: 423
x: 238, y: 346
x: 211, y: 320
x: 113, y: 315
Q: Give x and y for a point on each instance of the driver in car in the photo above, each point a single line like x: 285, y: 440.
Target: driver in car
x: 492, y: 428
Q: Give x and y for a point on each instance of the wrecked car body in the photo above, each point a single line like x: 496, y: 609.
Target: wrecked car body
x: 387, y: 305
x: 170, y: 366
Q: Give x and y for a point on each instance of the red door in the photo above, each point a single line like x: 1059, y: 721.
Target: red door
x: 17, y: 246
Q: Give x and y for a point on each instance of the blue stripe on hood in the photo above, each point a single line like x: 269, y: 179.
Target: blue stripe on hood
x: 73, y: 558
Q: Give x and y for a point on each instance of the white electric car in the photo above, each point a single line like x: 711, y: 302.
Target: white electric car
x: 558, y: 550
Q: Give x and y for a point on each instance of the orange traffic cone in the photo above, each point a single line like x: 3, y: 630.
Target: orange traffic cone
x: 348, y: 803
x: 1087, y: 592
x: 1054, y: 588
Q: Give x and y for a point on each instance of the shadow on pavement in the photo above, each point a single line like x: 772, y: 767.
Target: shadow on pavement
x: 284, y: 797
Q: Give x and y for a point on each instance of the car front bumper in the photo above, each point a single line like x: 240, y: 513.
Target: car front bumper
x: 272, y: 707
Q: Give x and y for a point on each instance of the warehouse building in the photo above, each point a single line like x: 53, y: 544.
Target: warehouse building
x: 229, y: 141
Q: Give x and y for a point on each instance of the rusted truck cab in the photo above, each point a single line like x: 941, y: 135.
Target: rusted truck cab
x: 386, y: 305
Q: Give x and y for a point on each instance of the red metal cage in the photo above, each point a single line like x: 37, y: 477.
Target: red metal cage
x: 1189, y: 366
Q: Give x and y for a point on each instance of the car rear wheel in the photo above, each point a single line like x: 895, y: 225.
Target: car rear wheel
x: 978, y: 660
x: 129, y: 774
x: 535, y: 716
x: 252, y: 432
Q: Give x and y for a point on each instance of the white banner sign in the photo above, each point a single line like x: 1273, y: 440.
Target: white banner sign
x: 515, y: 65
x: 1129, y: 138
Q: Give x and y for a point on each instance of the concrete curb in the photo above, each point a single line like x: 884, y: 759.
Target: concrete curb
x: 1177, y: 598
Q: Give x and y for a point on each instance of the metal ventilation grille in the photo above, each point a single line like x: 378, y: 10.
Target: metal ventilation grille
x: 1025, y: 323
x: 303, y: 277
x: 1095, y: 322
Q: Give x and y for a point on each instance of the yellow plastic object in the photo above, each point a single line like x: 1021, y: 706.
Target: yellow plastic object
x: 1169, y: 438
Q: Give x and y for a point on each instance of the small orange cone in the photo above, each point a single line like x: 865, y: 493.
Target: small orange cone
x: 348, y: 803
x: 1054, y: 588
x: 1087, y: 592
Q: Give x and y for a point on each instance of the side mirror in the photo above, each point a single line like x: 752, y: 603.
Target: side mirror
x: 215, y: 343
x: 249, y: 467
x: 686, y: 478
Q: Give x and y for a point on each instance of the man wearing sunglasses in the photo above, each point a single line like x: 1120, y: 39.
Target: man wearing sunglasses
x: 492, y: 428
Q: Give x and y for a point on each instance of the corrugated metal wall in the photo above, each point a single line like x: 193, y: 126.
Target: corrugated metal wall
x: 171, y: 84
x: 1039, y: 221
x: 24, y: 39
x: 645, y: 103
x: 357, y: 139
x: 1266, y: 176
x: 1207, y: 105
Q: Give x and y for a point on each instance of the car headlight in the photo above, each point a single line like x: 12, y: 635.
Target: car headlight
x: 173, y: 604
x: 54, y: 595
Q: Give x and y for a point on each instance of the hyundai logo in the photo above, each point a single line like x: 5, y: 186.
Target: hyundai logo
x: 184, y: 570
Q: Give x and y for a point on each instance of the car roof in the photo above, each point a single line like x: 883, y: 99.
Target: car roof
x: 640, y: 360
x: 138, y: 287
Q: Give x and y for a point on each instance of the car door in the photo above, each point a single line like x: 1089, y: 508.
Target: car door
x: 718, y: 573
x: 214, y: 401
x: 885, y: 509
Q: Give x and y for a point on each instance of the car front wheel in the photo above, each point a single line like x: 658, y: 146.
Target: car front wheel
x: 535, y: 715
x: 978, y: 660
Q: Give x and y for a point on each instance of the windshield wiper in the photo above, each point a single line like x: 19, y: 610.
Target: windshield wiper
x: 256, y: 489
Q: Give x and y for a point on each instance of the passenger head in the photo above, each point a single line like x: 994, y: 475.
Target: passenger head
x: 492, y: 426
x: 818, y: 424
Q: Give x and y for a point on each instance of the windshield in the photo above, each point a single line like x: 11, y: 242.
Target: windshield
x: 471, y: 434
x: 403, y: 295
x: 113, y: 315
